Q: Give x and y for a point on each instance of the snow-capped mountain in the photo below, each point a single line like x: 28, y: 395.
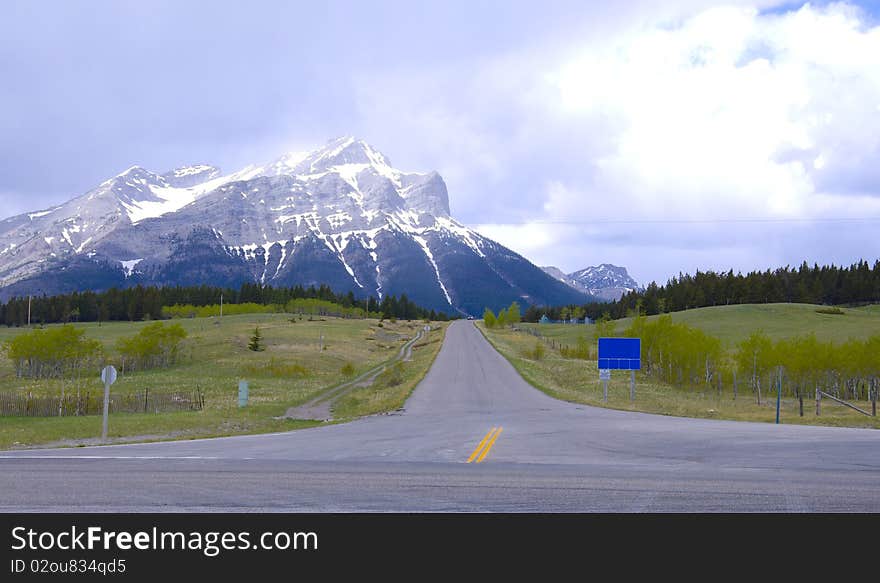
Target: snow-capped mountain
x: 605, y: 281
x: 341, y: 215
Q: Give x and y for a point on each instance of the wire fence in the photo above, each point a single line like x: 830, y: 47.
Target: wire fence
x: 553, y: 343
x: 92, y: 403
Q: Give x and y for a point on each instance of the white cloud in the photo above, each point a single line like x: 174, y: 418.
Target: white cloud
x: 733, y: 112
x: 714, y: 114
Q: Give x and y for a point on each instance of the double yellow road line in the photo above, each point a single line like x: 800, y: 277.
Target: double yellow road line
x: 484, y: 446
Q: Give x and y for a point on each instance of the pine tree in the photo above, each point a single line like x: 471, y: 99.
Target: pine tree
x: 256, y: 343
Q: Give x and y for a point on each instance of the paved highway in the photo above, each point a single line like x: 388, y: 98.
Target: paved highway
x: 538, y: 455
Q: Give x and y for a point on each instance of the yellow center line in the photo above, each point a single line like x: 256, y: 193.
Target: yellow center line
x: 489, y: 445
x: 482, y: 443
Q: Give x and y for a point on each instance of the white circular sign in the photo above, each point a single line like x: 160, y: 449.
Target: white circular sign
x: 108, y: 375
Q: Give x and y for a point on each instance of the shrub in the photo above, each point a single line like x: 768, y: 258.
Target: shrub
x: 156, y: 346
x: 581, y: 350
x: 347, y: 369
x: 833, y: 310
x: 391, y: 376
x: 537, y: 353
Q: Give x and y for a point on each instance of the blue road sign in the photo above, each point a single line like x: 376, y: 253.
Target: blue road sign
x: 620, y: 353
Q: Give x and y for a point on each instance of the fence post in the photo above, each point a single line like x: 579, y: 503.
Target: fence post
x: 146, y: 396
x: 778, y: 393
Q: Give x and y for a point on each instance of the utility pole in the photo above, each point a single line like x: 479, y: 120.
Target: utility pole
x: 221, y: 306
x: 29, y: 311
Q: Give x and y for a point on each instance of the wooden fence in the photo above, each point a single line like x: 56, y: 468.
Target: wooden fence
x: 92, y: 403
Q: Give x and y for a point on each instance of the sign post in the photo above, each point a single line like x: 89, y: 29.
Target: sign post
x: 108, y: 375
x: 242, y: 393
x: 619, y: 354
x: 604, y: 376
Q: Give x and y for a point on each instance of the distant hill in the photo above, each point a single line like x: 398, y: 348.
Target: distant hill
x: 734, y: 323
x: 856, y: 284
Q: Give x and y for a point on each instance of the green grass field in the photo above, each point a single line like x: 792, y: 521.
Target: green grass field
x: 291, y: 370
x: 734, y: 323
x: 578, y: 380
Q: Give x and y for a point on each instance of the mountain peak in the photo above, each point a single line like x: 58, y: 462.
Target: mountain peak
x: 606, y: 280
x: 130, y: 170
x: 346, y: 150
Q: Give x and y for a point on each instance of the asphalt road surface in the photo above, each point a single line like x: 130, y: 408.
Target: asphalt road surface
x: 528, y: 452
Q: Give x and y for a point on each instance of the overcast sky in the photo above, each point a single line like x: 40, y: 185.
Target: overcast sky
x: 663, y: 136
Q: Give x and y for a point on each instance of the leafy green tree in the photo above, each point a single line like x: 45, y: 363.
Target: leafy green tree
x: 513, y: 314
x: 754, y: 357
x: 157, y: 345
x: 489, y: 318
x: 61, y: 352
x: 605, y: 327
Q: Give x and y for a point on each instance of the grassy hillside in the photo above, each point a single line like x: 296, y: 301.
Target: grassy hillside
x: 733, y: 323
x: 291, y: 370
x: 558, y: 374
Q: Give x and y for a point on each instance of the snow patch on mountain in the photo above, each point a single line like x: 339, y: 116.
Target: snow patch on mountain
x: 39, y: 214
x: 191, y: 170
x: 473, y: 240
x: 128, y: 266
x: 424, y: 245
